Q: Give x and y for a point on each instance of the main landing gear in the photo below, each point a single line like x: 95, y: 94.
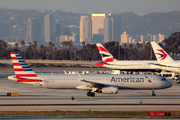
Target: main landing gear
x: 153, y: 93
x: 92, y: 94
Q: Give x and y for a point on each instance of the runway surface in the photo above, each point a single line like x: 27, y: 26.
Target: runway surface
x: 40, y: 99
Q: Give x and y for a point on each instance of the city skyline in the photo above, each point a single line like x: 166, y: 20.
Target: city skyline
x: 105, y: 24
x: 104, y: 27
x: 139, y: 7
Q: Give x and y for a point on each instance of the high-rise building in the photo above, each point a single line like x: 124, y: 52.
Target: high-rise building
x: 156, y: 38
x: 73, y: 38
x: 112, y: 28
x: 58, y: 32
x: 34, y: 30
x: 142, y: 39
x: 124, y: 37
x: 74, y: 29
x: 85, y: 30
x: 67, y: 31
x: 161, y: 37
x: 49, y: 28
x: 98, y: 23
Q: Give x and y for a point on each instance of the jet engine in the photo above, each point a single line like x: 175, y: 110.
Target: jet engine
x: 109, y: 90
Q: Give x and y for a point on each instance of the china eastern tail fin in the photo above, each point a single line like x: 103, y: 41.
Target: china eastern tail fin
x: 106, y: 56
x: 21, y: 68
x: 161, y: 54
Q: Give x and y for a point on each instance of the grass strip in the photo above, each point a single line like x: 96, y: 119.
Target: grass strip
x: 106, y: 114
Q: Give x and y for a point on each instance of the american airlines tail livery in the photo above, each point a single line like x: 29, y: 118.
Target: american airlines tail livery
x: 165, y: 62
x: 100, y: 83
x: 125, y: 65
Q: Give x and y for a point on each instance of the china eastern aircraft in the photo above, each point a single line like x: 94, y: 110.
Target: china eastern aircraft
x: 101, y: 83
x: 165, y: 62
x: 109, y: 61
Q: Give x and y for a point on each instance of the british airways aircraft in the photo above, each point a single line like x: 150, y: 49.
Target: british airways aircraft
x: 165, y: 62
x: 101, y: 83
x: 109, y: 61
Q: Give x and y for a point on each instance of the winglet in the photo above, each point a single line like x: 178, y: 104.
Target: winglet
x: 161, y: 54
x: 65, y: 72
x: 80, y: 77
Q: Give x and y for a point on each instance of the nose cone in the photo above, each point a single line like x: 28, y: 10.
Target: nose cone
x: 169, y: 84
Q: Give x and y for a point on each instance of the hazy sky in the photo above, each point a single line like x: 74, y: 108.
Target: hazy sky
x: 140, y: 7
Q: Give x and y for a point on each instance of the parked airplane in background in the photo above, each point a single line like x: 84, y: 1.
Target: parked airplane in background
x: 101, y: 83
x: 125, y: 65
x: 165, y: 62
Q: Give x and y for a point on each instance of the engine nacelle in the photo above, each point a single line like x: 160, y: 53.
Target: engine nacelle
x: 109, y: 90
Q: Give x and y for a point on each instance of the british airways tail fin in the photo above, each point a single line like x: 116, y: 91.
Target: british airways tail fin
x: 161, y: 54
x: 22, y: 70
x: 106, y: 56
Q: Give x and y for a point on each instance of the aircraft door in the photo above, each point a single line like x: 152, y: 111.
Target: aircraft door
x: 37, y: 82
x: 178, y: 67
x: 154, y: 80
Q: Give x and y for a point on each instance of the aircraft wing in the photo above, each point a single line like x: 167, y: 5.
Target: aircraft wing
x: 162, y: 65
x: 91, y: 84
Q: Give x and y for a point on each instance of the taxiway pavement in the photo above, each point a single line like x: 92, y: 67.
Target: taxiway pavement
x: 40, y: 99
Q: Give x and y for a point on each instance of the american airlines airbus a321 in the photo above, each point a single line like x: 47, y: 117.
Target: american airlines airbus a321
x: 109, y: 61
x: 101, y: 83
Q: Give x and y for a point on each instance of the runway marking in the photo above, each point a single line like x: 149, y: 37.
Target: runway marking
x: 79, y: 99
x: 92, y: 104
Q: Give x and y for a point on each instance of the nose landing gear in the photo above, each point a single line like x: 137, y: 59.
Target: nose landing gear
x: 153, y: 93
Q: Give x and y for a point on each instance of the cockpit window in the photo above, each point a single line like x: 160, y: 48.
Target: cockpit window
x: 163, y: 79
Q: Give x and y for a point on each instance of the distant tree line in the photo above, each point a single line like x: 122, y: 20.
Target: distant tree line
x: 90, y: 51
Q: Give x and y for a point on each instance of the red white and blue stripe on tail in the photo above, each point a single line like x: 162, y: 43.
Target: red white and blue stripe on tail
x: 106, y: 56
x: 22, y: 70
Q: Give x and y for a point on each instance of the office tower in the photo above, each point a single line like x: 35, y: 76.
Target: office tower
x: 124, y: 37
x: 33, y: 30
x: 149, y: 37
x: 142, y: 39
x: 98, y: 23
x: 49, y: 28
x: 63, y: 38
x: 161, y: 37
x: 98, y: 27
x: 85, y: 30
x: 58, y: 32
x: 74, y: 29
x: 73, y: 38
x: 156, y: 38
x: 112, y: 28
x: 67, y: 31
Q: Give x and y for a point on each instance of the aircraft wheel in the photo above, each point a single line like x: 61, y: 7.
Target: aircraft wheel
x: 92, y: 94
x: 88, y: 93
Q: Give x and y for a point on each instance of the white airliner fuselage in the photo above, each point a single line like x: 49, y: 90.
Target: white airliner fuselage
x: 122, y: 81
x: 163, y: 63
x: 125, y: 65
x: 135, y: 65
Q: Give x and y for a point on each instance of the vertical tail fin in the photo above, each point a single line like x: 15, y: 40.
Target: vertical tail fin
x: 21, y: 68
x: 161, y: 54
x: 106, y: 56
